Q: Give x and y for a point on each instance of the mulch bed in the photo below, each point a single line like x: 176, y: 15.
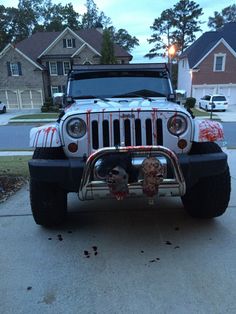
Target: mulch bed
x: 9, y: 185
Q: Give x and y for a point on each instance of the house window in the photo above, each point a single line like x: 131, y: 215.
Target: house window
x: 53, y: 68
x: 69, y: 43
x: 58, y: 89
x: 54, y: 89
x: 14, y: 68
x: 219, y: 62
x: 66, y: 67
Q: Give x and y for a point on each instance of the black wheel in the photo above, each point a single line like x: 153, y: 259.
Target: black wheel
x: 209, y: 197
x: 4, y: 110
x: 48, y: 200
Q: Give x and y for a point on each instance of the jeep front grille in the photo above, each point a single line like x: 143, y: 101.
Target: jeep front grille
x: 130, y: 132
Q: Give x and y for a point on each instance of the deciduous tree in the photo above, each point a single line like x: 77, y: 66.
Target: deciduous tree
x: 124, y: 39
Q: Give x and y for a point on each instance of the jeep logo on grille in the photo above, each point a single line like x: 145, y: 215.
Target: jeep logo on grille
x: 128, y: 116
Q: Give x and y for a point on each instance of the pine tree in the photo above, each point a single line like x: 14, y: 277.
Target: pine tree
x: 107, y: 52
x: 176, y: 26
x: 227, y: 15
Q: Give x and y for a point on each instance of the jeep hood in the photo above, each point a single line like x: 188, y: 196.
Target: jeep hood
x: 111, y: 105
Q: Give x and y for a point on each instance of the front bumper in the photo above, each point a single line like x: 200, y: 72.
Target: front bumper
x: 77, y: 175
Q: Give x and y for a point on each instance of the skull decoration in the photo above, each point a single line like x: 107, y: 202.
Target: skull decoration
x: 117, y: 180
x: 153, y: 176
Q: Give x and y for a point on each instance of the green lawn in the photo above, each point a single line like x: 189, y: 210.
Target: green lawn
x: 37, y: 116
x: 14, y: 166
x: 199, y: 113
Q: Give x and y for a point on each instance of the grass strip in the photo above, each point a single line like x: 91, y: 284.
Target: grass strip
x: 14, y: 166
x: 199, y: 113
x: 36, y: 116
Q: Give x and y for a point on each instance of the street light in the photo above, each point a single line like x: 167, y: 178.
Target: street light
x: 171, y: 52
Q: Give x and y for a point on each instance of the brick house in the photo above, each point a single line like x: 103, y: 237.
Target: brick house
x: 209, y: 65
x: 37, y: 67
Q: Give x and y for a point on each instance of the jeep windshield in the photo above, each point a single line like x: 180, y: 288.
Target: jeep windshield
x: 119, y: 84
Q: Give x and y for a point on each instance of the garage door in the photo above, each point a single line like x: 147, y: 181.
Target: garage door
x: 22, y: 99
x: 228, y: 91
x: 230, y: 94
x: 199, y: 92
x: 30, y: 99
x: 10, y: 98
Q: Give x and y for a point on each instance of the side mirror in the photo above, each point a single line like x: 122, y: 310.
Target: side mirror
x: 58, y: 99
x: 67, y: 100
x: 180, y: 96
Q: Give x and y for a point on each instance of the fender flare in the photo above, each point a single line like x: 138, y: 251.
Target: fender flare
x: 208, y: 131
x: 45, y: 136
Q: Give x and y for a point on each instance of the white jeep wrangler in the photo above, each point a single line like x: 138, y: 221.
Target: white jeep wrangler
x: 121, y: 135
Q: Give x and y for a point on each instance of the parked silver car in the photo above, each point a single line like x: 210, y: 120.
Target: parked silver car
x: 3, y: 108
x: 213, y: 102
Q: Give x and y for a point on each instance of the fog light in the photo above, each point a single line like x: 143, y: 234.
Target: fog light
x: 73, y: 147
x: 182, y: 143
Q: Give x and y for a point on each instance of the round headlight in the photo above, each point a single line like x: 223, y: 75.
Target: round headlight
x: 177, y: 125
x: 76, y: 128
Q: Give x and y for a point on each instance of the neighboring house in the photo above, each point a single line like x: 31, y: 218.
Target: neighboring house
x: 208, y: 66
x: 37, y: 67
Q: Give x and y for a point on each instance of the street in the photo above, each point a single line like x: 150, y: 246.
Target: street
x: 230, y: 133
x: 118, y: 257
x: 16, y: 137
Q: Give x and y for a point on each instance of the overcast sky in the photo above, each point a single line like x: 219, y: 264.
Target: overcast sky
x: 137, y: 16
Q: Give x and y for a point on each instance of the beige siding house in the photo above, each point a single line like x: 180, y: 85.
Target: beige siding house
x: 37, y: 67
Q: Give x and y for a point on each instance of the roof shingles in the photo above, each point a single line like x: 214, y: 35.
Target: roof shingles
x: 203, y: 44
x: 36, y: 44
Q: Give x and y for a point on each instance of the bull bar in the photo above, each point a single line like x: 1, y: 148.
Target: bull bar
x: 90, y: 188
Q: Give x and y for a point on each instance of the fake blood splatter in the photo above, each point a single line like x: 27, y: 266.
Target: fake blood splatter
x: 88, y: 128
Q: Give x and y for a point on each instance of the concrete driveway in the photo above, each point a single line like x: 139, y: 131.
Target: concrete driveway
x: 118, y: 257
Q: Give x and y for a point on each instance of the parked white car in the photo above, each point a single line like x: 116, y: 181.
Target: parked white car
x: 213, y: 102
x: 3, y: 107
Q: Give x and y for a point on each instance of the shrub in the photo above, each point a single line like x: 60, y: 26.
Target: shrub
x: 48, y: 106
x: 190, y: 102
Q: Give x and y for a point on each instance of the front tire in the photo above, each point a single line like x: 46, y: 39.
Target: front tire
x: 48, y: 200
x: 209, y: 197
x: 48, y: 203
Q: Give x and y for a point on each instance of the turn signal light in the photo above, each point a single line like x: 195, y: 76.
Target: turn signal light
x: 73, y: 147
x: 182, y: 143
